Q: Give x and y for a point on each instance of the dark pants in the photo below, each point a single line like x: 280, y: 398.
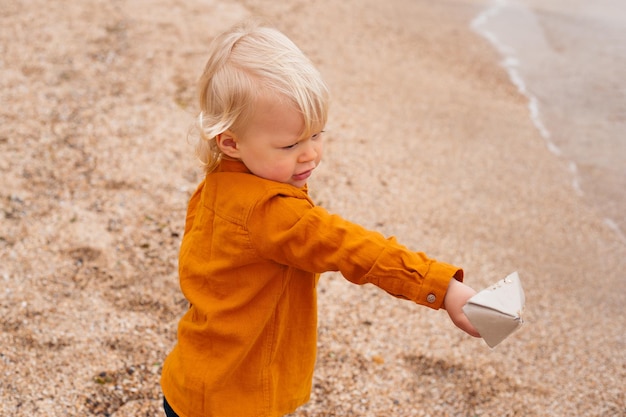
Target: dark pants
x: 168, y: 410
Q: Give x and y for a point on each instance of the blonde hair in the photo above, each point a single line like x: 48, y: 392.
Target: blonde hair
x: 245, y: 62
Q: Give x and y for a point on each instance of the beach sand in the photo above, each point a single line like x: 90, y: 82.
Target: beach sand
x: 428, y: 141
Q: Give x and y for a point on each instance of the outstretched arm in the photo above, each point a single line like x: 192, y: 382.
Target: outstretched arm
x: 456, y: 297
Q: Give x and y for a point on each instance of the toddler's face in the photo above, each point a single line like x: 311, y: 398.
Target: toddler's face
x: 272, y: 147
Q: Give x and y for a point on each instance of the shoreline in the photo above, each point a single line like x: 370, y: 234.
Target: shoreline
x: 535, y: 42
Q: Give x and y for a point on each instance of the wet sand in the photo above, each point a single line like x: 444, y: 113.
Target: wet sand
x: 569, y: 59
x: 428, y: 141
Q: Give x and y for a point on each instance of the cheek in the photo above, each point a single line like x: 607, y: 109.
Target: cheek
x: 284, y: 167
x: 320, y: 152
x: 279, y: 169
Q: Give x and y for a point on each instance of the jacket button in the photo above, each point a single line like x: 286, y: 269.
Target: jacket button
x: 431, y: 298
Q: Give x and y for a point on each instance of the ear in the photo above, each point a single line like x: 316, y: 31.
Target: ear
x: 227, y: 142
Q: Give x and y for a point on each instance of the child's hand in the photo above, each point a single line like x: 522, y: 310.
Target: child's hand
x: 456, y: 297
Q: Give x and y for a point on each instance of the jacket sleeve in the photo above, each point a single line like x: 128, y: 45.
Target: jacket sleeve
x: 291, y: 231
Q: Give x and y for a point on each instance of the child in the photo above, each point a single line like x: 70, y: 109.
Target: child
x: 255, y: 243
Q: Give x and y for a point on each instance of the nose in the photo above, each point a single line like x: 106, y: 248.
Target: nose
x: 310, y: 151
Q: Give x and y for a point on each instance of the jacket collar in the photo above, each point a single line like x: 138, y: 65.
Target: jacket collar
x: 235, y: 165
x: 232, y: 165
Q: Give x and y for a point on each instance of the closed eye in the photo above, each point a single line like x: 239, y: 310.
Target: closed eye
x: 317, y: 135
x: 313, y: 137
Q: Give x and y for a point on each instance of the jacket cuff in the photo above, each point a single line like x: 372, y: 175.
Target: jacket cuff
x: 436, y: 282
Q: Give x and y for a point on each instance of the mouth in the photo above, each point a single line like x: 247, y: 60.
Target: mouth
x: 303, y: 175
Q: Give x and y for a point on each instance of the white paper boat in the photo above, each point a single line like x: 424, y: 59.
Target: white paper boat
x: 496, y: 311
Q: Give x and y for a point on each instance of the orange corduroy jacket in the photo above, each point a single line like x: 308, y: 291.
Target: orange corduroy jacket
x: 249, y: 263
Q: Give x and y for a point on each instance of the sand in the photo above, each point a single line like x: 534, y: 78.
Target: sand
x: 428, y: 141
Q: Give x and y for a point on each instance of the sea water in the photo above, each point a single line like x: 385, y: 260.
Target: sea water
x: 568, y: 58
